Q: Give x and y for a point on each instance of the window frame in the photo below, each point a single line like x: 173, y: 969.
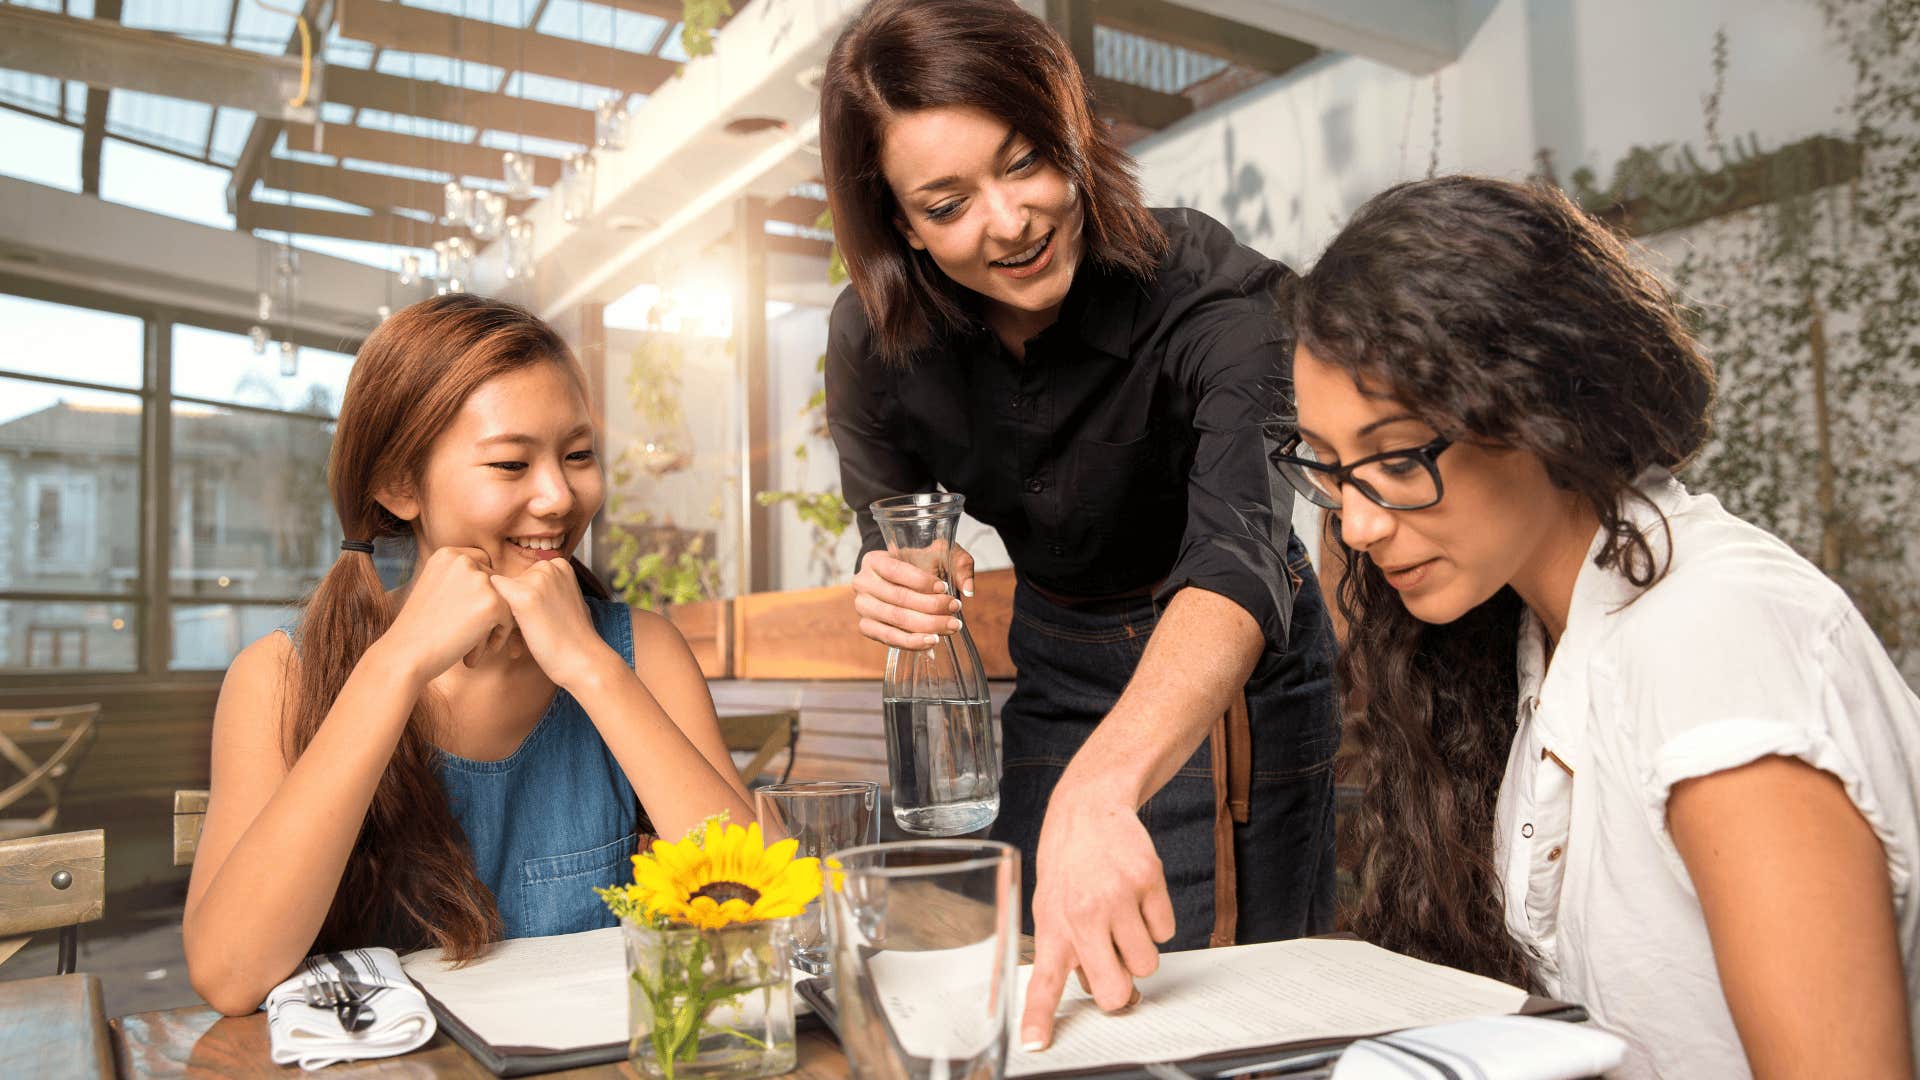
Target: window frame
x: 152, y: 597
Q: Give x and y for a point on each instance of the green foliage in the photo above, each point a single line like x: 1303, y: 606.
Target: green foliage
x: 699, y: 18
x: 655, y: 564
x: 1809, y: 305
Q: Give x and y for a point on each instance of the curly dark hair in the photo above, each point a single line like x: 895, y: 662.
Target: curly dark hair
x: 1500, y: 314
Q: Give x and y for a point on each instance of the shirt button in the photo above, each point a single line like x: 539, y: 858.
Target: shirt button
x: 1554, y: 855
x: 1035, y: 486
x: 1018, y: 402
x: 1056, y: 550
x: 1527, y: 830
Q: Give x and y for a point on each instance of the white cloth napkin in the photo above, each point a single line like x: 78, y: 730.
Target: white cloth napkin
x: 1485, y: 1048
x: 313, y: 1037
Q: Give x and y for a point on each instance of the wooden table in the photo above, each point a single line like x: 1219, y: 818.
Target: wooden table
x: 54, y: 1027
x: 198, y: 1042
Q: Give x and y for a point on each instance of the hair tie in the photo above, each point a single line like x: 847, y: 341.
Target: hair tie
x: 357, y: 545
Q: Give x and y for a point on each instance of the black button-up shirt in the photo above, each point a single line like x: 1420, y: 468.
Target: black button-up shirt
x: 1125, y: 449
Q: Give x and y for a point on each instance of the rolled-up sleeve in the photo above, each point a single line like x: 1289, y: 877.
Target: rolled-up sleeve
x: 863, y: 418
x: 1239, y: 508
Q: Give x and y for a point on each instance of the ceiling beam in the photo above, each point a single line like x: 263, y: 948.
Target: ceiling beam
x: 371, y: 190
x: 102, y: 53
x: 93, y: 130
x: 459, y: 158
x: 416, y: 97
x: 796, y: 210
x: 1418, y: 36
x: 265, y: 129
x: 670, y: 10
x: 798, y: 245
x: 1137, y: 104
x: 1201, y: 32
x: 393, y: 25
x: 377, y: 228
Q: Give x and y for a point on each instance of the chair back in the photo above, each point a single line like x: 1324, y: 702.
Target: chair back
x: 57, y: 881
x: 61, y: 735
x: 189, y: 814
x: 764, y: 734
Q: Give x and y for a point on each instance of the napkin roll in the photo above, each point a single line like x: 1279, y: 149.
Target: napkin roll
x: 314, y: 1039
x: 1486, y: 1048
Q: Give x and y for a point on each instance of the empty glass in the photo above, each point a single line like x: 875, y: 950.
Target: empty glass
x: 925, y: 935
x: 825, y: 816
x: 938, y: 715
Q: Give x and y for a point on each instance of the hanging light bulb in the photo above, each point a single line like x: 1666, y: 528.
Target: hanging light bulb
x: 576, y: 201
x: 458, y: 202
x: 289, y: 359
x: 610, y: 124
x: 286, y: 268
x: 263, y: 307
x: 519, y: 233
x: 409, y: 269
x: 258, y: 335
x: 440, y: 249
x: 488, y: 213
x: 382, y: 313
x: 518, y: 169
x: 460, y: 251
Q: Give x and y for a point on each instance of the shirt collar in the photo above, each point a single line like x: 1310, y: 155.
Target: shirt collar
x: 1599, y: 592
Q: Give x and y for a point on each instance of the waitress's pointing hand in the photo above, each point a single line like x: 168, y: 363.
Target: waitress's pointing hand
x: 1100, y: 905
x: 903, y: 606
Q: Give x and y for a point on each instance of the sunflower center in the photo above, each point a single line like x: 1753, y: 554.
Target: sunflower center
x: 722, y: 891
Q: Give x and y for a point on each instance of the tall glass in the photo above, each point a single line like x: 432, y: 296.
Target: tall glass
x: 938, y: 715
x: 925, y: 939
x: 825, y: 816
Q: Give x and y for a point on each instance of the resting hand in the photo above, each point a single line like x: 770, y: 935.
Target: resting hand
x: 554, y: 622
x: 452, y: 613
x: 1100, y: 904
x: 904, y: 606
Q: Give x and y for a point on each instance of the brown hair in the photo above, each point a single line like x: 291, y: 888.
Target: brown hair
x: 410, y: 880
x: 1499, y: 313
x: 900, y: 56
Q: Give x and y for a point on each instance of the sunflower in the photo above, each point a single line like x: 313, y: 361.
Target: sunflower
x: 721, y: 875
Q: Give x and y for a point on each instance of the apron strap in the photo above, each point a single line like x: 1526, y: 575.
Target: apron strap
x: 1231, y: 751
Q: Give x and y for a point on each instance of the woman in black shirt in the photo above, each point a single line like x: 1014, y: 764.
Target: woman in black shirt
x: 1092, y: 376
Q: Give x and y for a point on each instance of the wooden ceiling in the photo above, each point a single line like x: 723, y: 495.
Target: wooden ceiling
x: 1135, y: 86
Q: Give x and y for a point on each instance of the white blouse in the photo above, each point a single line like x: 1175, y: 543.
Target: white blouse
x: 1743, y: 650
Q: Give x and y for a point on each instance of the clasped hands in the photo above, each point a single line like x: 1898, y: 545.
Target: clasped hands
x: 459, y: 610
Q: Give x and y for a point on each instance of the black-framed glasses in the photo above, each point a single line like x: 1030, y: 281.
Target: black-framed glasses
x: 1396, y: 480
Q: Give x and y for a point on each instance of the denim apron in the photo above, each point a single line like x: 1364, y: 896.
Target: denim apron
x: 1272, y: 805
x: 557, y: 817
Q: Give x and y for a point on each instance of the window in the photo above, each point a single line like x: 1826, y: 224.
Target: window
x: 237, y: 477
x: 61, y: 517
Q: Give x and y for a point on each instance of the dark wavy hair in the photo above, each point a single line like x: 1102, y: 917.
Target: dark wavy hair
x: 901, y: 56
x: 1500, y: 314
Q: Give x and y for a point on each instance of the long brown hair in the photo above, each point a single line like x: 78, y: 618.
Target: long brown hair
x: 901, y: 56
x: 410, y: 880
x: 1501, y: 314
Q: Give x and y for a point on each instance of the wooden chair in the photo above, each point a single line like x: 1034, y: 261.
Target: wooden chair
x: 48, y: 882
x: 69, y: 730
x: 765, y: 734
x: 189, y: 814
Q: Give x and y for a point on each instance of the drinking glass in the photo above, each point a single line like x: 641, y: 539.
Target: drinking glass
x: 925, y: 935
x: 825, y: 816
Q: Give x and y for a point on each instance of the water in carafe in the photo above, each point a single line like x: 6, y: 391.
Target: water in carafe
x: 939, y: 717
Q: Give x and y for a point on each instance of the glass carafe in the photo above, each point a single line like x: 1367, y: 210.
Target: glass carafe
x: 939, y: 718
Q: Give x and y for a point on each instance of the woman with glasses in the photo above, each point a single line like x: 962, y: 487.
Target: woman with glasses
x: 1617, y: 744
x: 1091, y: 375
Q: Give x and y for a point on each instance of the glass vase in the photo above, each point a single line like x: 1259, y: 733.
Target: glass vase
x: 937, y: 711
x: 709, y: 1003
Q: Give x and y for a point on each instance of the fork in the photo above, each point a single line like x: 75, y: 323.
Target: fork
x: 331, y: 992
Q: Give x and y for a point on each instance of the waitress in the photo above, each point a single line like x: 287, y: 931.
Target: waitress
x: 1093, y: 376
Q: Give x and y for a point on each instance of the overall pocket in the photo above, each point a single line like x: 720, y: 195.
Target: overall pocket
x: 557, y: 890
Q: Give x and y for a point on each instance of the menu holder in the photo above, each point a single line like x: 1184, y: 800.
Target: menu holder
x: 1262, y: 979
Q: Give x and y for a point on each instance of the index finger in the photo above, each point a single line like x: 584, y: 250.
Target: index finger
x: 472, y: 553
x: 1043, y: 997
x: 904, y: 574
